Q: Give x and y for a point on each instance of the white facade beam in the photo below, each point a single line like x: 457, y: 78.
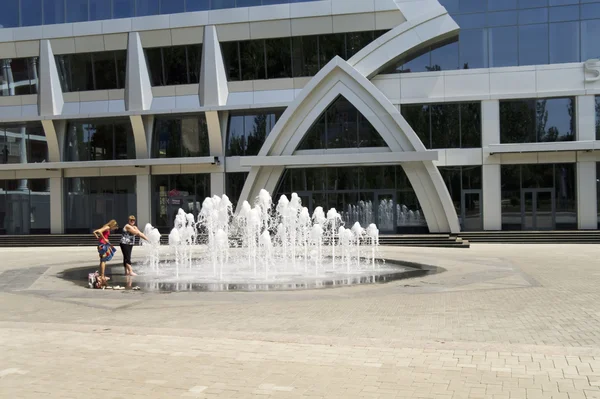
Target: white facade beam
x: 587, y: 204
x: 50, y: 96
x: 138, y: 89
x: 213, y: 90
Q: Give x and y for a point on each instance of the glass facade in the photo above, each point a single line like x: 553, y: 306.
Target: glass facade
x: 247, y: 131
x: 23, y: 143
x: 103, y: 70
x: 372, y: 194
x: 539, y: 197
x: 234, y: 184
x: 180, y: 136
x: 597, y: 117
x: 500, y: 33
x: 447, y: 125
x: 90, y: 202
x: 176, y: 65
x: 341, y: 126
x: 174, y: 192
x: 24, y: 207
x: 47, y: 12
x: 19, y: 76
x: 598, y: 192
x: 465, y: 188
x: 537, y: 120
x: 290, y: 56
x: 99, y: 140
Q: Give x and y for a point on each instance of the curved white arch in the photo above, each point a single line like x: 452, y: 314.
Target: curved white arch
x: 339, y: 78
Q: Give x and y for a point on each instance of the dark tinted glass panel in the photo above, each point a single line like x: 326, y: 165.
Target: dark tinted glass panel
x: 590, y: 45
x: 54, y: 12
x: 556, y: 119
x: 146, y: 7
x: 231, y: 59
x: 76, y: 72
x: 18, y: 76
x: 279, y: 59
x: 197, y: 5
x: 517, y: 121
x: 470, y: 125
x: 590, y: 11
x: 247, y: 3
x: 305, y: 55
x: 564, y: 42
x: 194, y: 54
x: 418, y: 118
x: 497, y: 5
x: 105, y: 69
x: 420, y: 63
x: 180, y: 137
x: 467, y: 6
x: 316, y: 137
x: 175, y: 65
x: 9, y: 17
x: 31, y: 12
x: 598, y: 122
x: 473, y: 49
x: 252, y: 57
x: 445, y: 126
x: 503, y: 46
x: 170, y: 193
x: 356, y: 41
x: 569, y: 13
x: 172, y: 6
x: 236, y: 140
x: 330, y: 46
x: 123, y: 8
x: 77, y: 10
x: 154, y: 60
x: 247, y: 131
x: 502, y: 18
x: 100, y: 9
x: 234, y: 184
x: 533, y: 44
x: 23, y: 143
x: 90, y: 140
x: 533, y: 16
x: 368, y: 136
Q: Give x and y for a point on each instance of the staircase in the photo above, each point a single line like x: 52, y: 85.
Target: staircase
x: 533, y: 237
x: 424, y: 240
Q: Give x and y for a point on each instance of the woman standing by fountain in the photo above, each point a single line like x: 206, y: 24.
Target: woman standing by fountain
x: 127, y: 241
x: 105, y: 250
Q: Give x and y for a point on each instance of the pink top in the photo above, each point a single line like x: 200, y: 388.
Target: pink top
x: 104, y: 238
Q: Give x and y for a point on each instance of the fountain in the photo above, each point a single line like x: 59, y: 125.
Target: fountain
x: 266, y: 246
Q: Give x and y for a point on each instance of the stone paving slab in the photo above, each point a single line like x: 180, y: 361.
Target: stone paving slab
x: 504, y: 321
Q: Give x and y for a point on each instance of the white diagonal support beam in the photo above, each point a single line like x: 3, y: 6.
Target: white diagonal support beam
x: 50, y: 96
x: 138, y: 89
x: 213, y: 88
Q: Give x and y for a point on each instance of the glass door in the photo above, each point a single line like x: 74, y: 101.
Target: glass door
x: 538, y: 209
x: 471, y: 210
x: 385, y: 208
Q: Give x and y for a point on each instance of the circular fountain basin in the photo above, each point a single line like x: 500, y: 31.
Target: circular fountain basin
x: 150, y: 281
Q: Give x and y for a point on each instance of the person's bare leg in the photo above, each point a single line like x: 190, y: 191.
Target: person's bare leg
x: 130, y: 271
x: 102, y: 268
x: 126, y: 267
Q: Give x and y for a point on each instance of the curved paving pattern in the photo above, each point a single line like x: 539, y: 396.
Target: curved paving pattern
x: 504, y: 321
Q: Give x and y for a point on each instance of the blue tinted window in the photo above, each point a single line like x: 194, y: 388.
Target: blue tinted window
x: 247, y: 3
x: 197, y: 5
x: 503, y: 46
x: 470, y: 21
x: 532, y: 3
x: 473, y: 49
x: 31, y: 12
x: 123, y: 8
x: 9, y: 17
x: 171, y: 6
x: 146, y: 7
x: 54, y: 12
x: 502, y: 18
x: 472, y: 5
x: 563, y: 2
x: 99, y: 9
x: 535, y: 16
x: 590, y: 45
x: 450, y: 5
x: 567, y: 13
x: 533, y: 44
x: 77, y: 10
x: 445, y: 58
x: 218, y: 4
x: 590, y: 11
x: 564, y: 42
x: 497, y: 5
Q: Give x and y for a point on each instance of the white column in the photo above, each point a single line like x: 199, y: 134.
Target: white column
x: 23, y: 156
x: 490, y: 122
x: 50, y: 96
x: 143, y: 188
x: 138, y: 89
x: 587, y: 212
x: 213, y: 88
x: 57, y: 208
x: 492, y: 206
x: 139, y: 137
x: 217, y: 184
x: 586, y: 118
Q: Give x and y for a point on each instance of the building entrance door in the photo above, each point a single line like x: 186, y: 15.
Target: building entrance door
x: 385, y: 208
x: 471, y: 210
x: 538, y: 209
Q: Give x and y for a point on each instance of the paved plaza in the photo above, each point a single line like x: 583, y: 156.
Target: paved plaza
x: 504, y: 321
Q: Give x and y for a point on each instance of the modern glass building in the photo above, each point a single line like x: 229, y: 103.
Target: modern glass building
x: 417, y: 115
